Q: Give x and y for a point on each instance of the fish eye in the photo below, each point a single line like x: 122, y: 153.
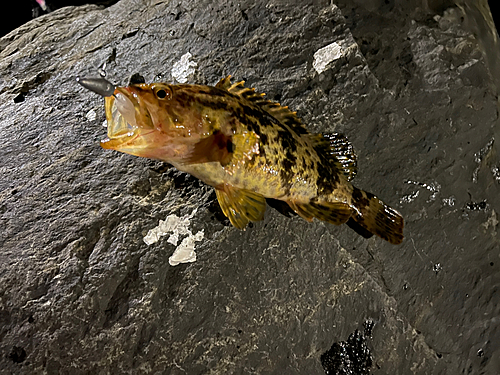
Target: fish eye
x: 162, y: 93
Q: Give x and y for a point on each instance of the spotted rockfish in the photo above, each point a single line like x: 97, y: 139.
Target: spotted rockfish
x: 248, y: 148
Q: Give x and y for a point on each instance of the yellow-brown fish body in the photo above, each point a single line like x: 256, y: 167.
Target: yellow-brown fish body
x: 249, y: 149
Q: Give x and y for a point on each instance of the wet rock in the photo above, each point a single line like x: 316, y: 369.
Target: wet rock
x: 82, y: 292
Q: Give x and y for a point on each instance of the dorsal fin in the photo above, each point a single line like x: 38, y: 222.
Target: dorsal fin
x: 336, y: 148
x: 280, y: 113
x: 224, y: 83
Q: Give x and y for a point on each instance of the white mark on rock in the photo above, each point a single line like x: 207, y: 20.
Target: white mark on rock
x: 496, y: 173
x: 408, y: 198
x: 183, y: 68
x: 492, y: 222
x: 433, y: 187
x: 91, y: 115
x: 177, y: 227
x: 449, y: 201
x: 480, y: 156
x: 185, y: 251
x: 326, y: 55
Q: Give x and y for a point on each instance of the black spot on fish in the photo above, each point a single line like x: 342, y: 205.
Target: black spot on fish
x: 253, y: 126
x: 183, y: 98
x: 287, y: 164
x: 285, y: 173
x: 216, y: 104
x: 232, y: 124
x: 263, y: 139
x: 210, y: 91
x: 369, y: 195
x: 287, y: 141
x: 230, y: 146
x: 382, y: 219
x: 256, y: 128
x: 291, y: 159
x: 256, y: 112
x: 361, y: 199
x: 324, y: 186
x: 328, y: 178
x: 357, y: 195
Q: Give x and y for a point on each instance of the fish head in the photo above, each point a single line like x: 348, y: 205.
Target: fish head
x: 148, y: 120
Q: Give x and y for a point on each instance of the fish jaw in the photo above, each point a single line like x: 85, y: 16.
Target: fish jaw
x: 143, y: 123
x: 131, y: 130
x: 150, y: 144
x: 134, y: 143
x: 129, y: 125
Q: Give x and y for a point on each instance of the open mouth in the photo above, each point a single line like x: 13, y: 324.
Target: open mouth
x: 120, y: 116
x: 129, y: 123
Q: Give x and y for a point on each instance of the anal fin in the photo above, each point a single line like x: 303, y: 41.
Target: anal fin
x: 240, y: 206
x: 332, y: 212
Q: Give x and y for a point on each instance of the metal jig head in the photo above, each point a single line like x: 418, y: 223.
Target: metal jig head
x: 98, y: 85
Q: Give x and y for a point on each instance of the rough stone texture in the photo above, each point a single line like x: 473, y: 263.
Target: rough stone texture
x: 80, y: 291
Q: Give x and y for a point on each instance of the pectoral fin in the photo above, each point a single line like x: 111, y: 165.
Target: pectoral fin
x: 216, y: 147
x: 241, y: 206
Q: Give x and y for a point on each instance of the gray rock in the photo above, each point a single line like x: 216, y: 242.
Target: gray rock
x: 81, y: 292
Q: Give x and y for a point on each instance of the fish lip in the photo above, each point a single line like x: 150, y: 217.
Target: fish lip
x: 126, y: 141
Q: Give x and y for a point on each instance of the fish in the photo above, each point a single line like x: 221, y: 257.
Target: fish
x: 248, y: 148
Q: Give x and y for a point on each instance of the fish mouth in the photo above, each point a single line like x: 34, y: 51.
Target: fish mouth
x: 127, y: 120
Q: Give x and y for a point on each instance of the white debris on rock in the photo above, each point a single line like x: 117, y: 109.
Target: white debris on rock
x: 408, y: 198
x: 492, y: 222
x: 326, y: 55
x: 177, y: 227
x: 185, y: 251
x: 91, y: 115
x: 433, y: 187
x: 449, y: 201
x: 183, y: 68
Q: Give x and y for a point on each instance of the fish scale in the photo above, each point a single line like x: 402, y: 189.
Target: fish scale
x: 248, y: 148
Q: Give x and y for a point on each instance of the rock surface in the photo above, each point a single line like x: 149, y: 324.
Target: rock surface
x: 80, y: 290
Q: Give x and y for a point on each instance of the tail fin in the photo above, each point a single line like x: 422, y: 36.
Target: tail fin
x: 373, y: 215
